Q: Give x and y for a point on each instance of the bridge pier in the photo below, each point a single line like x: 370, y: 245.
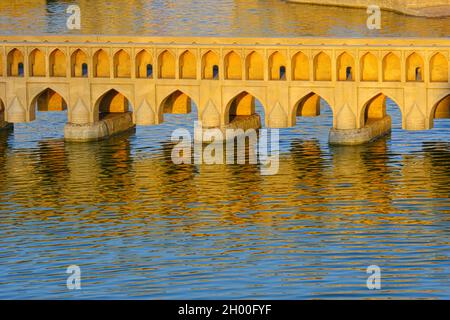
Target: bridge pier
x: 374, y: 129
x: 111, y: 124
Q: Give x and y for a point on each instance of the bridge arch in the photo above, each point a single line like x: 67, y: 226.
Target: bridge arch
x: 322, y: 67
x: 178, y: 101
x: 391, y: 68
x: 101, y: 64
x: 242, y: 103
x: 144, y: 64
x: 49, y: 99
x: 188, y: 65
x: 438, y: 68
x: 37, y: 63
x: 15, y: 61
x: 300, y: 67
x: 308, y: 105
x: 277, y: 66
x: 345, y: 67
x: 112, y: 101
x: 122, y: 64
x: 440, y: 110
x: 166, y: 65
x: 233, y: 66
x: 369, y: 67
x: 254, y: 66
x: 58, y: 65
x: 210, y: 65
x: 414, y: 68
x: 79, y: 64
x: 2, y: 110
x: 375, y: 107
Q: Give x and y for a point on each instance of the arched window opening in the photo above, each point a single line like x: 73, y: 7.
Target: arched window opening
x: 282, y: 73
x: 84, y: 70
x: 418, y: 74
x: 215, y: 72
x: 20, y: 70
x: 348, y: 74
x: 149, y: 71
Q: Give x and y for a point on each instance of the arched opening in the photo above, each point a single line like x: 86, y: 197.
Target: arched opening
x: 369, y: 67
x: 255, y: 66
x: 49, y: 100
x: 210, y: 66
x: 15, y: 63
x: 441, y: 110
x: 37, y: 63
x: 322, y: 67
x: 378, y: 107
x: 188, y: 66
x: 177, y: 103
x: 79, y: 63
x: 112, y: 102
x: 144, y: 65
x: 101, y: 64
x: 233, y: 66
x: 391, y: 68
x: 166, y: 62
x: 345, y: 67
x: 242, y: 106
x: 310, y: 106
x: 300, y: 67
x: 58, y: 64
x: 277, y: 66
x: 122, y: 64
x: 414, y: 68
x: 439, y: 68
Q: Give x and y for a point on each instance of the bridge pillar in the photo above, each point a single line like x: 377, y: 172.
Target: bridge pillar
x: 415, y: 113
x: 347, y: 128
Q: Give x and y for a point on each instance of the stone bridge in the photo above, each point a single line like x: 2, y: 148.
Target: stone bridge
x: 109, y: 83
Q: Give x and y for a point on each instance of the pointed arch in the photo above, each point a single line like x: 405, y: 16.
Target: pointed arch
x: 110, y: 102
x: 369, y: 67
x: 308, y: 106
x: 101, y: 64
x: 345, y: 67
x: 58, y: 65
x: 166, y: 63
x: 300, y: 67
x: 233, y: 66
x: 375, y: 108
x: 144, y: 64
x: 46, y: 100
x: 122, y: 64
x: 439, y: 68
x: 177, y: 102
x: 241, y: 105
x: 15, y: 62
x: 254, y: 66
x: 2, y: 111
x: 188, y: 65
x: 391, y: 68
x: 79, y: 64
x: 440, y: 110
x: 210, y: 66
x: 277, y: 66
x: 322, y: 67
x: 414, y: 68
x: 37, y: 63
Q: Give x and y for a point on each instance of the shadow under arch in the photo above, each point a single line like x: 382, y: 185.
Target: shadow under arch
x: 440, y: 110
x: 243, y: 104
x: 310, y: 105
x: 112, y: 101
x: 47, y: 100
x: 177, y: 102
x: 376, y: 108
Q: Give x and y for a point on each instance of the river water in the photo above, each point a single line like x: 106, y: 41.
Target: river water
x: 140, y: 226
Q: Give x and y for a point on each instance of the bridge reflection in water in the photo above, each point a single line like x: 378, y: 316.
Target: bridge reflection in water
x: 124, y: 211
